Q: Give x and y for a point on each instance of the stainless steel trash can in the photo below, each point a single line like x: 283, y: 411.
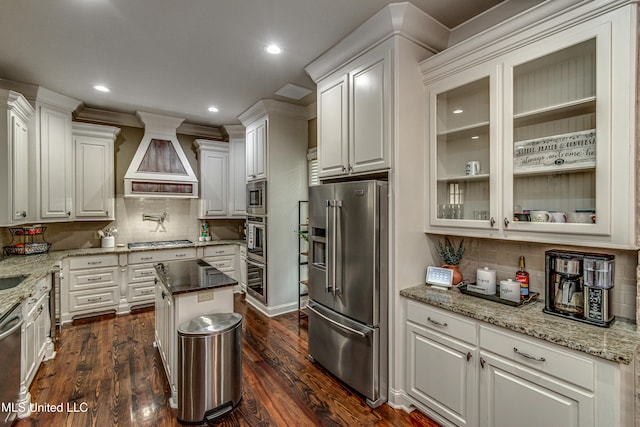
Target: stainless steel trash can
x: 209, y: 367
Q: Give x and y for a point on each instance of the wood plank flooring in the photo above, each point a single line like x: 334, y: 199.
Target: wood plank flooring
x: 109, y: 371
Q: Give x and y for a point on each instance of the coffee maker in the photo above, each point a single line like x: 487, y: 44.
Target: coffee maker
x: 578, y: 286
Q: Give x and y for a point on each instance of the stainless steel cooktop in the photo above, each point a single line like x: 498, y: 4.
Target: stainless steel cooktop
x: 161, y: 244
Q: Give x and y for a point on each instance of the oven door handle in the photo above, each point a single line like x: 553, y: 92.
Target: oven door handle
x: 338, y: 324
x: 255, y: 263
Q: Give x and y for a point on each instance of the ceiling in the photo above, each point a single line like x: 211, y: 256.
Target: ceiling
x: 180, y: 57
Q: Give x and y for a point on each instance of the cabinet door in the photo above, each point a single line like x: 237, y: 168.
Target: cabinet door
x: 441, y: 374
x: 20, y: 189
x: 237, y: 185
x: 370, y: 122
x: 94, y: 183
x: 513, y: 395
x: 250, y: 153
x: 463, y: 150
x: 214, y: 172
x: 56, y: 167
x: 260, y: 149
x: 557, y: 147
x: 333, y: 147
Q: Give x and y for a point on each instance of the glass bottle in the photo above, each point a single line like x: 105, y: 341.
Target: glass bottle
x: 522, y: 276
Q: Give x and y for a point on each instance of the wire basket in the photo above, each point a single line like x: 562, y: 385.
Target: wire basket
x: 27, y: 248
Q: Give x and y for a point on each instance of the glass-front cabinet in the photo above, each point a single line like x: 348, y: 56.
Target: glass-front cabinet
x: 537, y: 142
x: 463, y: 127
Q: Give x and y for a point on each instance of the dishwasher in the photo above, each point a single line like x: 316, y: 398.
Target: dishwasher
x: 10, y: 356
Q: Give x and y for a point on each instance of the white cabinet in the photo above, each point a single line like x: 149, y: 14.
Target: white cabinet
x: 94, y: 195
x: 441, y: 363
x: 517, y: 375
x: 354, y: 122
x: 14, y: 152
x: 540, y: 120
x: 256, y: 154
x: 223, y: 258
x: 221, y: 179
x: 141, y: 273
x: 460, y: 371
x: 242, y: 266
x: 90, y: 285
x: 36, y: 342
x: 56, y: 163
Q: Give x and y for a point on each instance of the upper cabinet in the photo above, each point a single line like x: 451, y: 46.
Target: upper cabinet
x: 353, y: 117
x: 222, y: 184
x: 94, y: 195
x: 256, y: 149
x: 15, y: 172
x: 55, y: 148
x: 537, y: 142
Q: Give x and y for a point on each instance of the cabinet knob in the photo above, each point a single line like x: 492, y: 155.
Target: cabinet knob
x: 344, y: 169
x: 482, y: 362
x: 164, y: 294
x: 24, y: 214
x: 506, y: 222
x: 492, y: 221
x: 69, y: 213
x: 468, y: 356
x: 350, y: 168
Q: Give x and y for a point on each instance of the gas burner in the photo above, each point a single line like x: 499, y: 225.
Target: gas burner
x: 161, y: 244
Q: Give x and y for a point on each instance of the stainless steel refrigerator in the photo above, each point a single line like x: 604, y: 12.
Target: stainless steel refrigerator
x: 348, y: 284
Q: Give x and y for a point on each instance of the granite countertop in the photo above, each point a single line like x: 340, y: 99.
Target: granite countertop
x: 37, y: 267
x: 617, y: 343
x: 181, y: 277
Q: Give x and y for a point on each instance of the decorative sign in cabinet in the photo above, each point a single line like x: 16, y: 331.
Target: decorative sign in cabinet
x: 14, y: 152
x: 525, y: 142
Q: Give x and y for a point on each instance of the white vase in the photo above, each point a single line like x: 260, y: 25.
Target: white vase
x: 108, y: 241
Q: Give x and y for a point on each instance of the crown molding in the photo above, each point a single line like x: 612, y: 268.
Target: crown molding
x: 93, y: 129
x: 268, y: 106
x: 234, y: 131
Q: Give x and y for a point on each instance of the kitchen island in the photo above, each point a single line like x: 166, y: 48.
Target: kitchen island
x: 185, y: 290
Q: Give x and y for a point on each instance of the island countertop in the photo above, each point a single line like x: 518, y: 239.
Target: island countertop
x: 181, y: 277
x: 617, y: 343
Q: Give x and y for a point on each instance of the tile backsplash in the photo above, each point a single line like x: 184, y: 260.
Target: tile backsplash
x: 503, y: 257
x: 181, y: 223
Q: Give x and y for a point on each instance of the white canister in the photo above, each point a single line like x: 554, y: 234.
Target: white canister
x: 108, y: 241
x: 486, y: 279
x: 510, y: 290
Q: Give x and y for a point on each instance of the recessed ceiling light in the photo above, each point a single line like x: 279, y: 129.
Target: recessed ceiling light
x: 273, y: 49
x: 458, y: 111
x: 101, y: 88
x: 213, y: 109
x: 475, y: 137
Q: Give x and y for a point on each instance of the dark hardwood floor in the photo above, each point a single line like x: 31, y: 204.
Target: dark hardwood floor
x: 108, y: 370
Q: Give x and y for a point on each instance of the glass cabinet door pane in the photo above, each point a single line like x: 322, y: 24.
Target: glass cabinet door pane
x: 554, y: 137
x: 463, y: 151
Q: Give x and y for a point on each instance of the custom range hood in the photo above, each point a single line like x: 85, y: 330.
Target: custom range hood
x: 160, y: 168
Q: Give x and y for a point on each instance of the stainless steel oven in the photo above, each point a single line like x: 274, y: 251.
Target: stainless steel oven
x: 257, y: 280
x: 257, y: 198
x: 257, y: 238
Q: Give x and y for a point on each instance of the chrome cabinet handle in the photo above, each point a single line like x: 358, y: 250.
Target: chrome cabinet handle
x: 146, y: 258
x: 148, y: 292
x: 181, y: 255
x: 94, y: 279
x: 94, y: 263
x: 435, y: 322
x: 492, y: 221
x: 482, y: 362
x: 506, y: 222
x: 528, y: 356
x: 94, y: 299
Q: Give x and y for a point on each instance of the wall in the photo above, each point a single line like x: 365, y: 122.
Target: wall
x: 503, y: 257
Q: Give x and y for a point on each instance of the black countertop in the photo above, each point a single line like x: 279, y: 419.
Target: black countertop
x: 182, y: 277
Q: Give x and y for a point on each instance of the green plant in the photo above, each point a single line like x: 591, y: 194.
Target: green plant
x: 449, y: 253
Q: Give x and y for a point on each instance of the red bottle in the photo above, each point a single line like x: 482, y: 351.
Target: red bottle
x: 522, y: 276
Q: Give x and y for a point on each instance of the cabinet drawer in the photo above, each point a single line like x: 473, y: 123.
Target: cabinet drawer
x: 81, y: 263
x: 223, y: 264
x: 93, y: 278
x: 142, y: 292
x: 538, y: 355
x: 92, y: 300
x: 442, y: 321
x: 210, y: 251
x: 141, y: 273
x: 161, y: 255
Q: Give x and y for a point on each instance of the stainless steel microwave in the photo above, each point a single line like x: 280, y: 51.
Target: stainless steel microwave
x: 257, y: 198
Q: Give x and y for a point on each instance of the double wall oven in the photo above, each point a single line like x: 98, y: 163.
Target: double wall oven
x: 257, y: 241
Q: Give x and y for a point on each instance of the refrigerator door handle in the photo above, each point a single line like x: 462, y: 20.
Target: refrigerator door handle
x: 337, y: 246
x: 338, y: 324
x: 329, y: 265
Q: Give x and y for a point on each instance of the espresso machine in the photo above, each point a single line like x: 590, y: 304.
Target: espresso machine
x: 578, y: 286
